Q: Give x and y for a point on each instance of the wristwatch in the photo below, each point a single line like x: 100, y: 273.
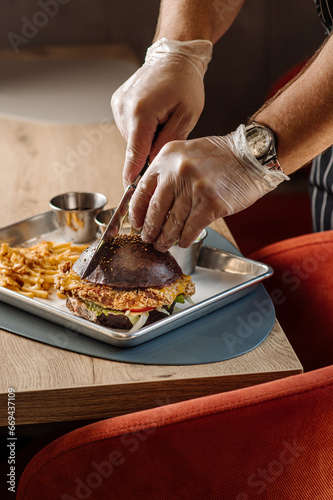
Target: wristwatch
x: 262, y: 145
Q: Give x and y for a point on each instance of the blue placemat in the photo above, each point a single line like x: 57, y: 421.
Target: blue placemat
x: 223, y: 334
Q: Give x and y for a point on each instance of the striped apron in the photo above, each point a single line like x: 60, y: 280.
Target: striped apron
x: 321, y: 177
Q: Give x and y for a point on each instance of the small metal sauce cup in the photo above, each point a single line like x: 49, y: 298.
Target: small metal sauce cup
x: 76, y: 214
x: 103, y: 218
x: 187, y: 257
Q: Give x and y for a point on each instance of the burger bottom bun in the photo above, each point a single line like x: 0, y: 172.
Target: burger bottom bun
x: 121, y: 321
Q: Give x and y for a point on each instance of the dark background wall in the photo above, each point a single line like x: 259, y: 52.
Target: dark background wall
x: 268, y: 38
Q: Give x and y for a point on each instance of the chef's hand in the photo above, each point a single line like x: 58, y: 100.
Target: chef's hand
x: 192, y: 183
x: 167, y: 90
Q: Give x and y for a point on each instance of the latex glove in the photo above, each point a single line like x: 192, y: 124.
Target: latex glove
x: 192, y: 183
x: 167, y: 90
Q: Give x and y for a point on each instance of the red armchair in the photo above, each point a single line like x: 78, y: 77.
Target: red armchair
x: 301, y: 290
x: 271, y: 441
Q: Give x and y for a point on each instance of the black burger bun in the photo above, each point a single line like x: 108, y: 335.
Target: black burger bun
x: 127, y: 262
x: 120, y: 321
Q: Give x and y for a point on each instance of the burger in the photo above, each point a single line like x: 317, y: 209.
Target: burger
x: 133, y: 285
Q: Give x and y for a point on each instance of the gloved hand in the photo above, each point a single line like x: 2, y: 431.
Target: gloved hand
x: 167, y: 90
x: 192, y: 183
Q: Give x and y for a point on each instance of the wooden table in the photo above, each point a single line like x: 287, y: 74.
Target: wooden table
x: 52, y: 384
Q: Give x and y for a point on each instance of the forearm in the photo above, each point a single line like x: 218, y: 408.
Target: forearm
x: 196, y: 19
x: 301, y: 115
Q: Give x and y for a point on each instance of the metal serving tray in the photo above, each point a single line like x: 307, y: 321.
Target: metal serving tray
x: 221, y: 278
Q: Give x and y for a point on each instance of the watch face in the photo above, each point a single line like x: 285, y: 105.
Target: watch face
x: 259, y: 142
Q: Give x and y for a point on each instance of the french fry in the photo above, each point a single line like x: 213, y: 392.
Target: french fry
x: 30, y: 270
x: 42, y: 294
x: 49, y: 278
x: 27, y: 294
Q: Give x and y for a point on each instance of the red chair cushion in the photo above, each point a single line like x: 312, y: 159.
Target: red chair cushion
x: 302, y: 292
x: 271, y: 441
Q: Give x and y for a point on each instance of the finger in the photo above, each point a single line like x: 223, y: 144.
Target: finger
x: 178, y: 127
x: 118, y: 111
x: 138, y: 148
x: 157, y: 213
x: 174, y: 224
x: 191, y: 231
x: 140, y: 200
x: 206, y: 207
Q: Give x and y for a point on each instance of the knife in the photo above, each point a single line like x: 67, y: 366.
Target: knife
x: 96, y: 250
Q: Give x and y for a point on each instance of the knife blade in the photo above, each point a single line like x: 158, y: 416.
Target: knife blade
x: 94, y: 253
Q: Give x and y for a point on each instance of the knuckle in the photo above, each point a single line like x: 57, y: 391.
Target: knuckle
x: 148, y: 226
x: 209, y: 190
x: 140, y: 199
x: 173, y: 150
x: 205, y: 196
x: 118, y: 105
x: 115, y: 101
x: 175, y: 221
x: 141, y: 110
x: 150, y: 229
x: 167, y: 150
x: 133, y: 154
x: 186, y: 168
x: 192, y: 225
x: 154, y: 206
x: 173, y: 146
x: 130, y: 154
x: 139, y: 107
